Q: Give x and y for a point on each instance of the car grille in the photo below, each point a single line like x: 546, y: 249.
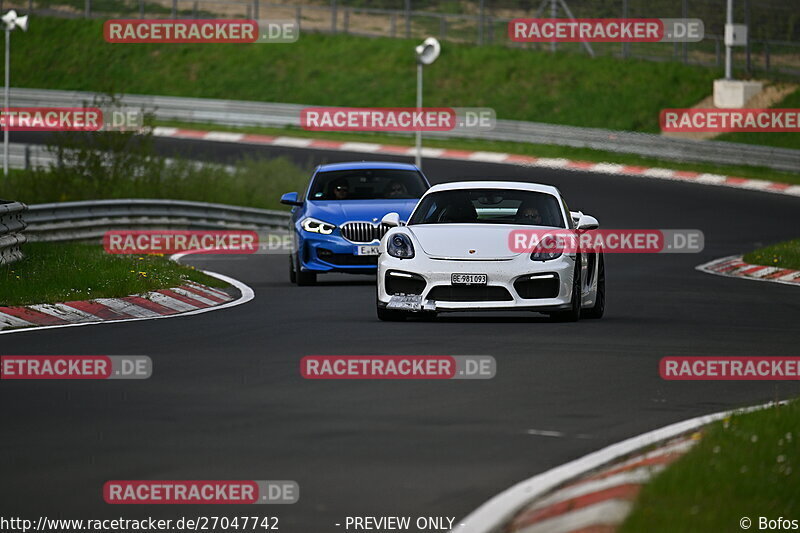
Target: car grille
x: 346, y: 259
x: 364, y: 231
x: 469, y: 293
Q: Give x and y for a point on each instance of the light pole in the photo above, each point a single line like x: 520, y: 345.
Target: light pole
x: 426, y: 53
x: 10, y: 22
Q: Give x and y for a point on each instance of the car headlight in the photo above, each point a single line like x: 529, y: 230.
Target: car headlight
x: 399, y: 245
x: 548, y: 249
x: 313, y: 225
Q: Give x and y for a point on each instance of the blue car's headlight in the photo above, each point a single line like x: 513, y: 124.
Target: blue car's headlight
x: 313, y: 225
x: 399, y: 245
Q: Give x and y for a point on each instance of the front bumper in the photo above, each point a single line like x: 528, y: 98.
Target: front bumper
x: 500, y: 292
x: 332, y: 253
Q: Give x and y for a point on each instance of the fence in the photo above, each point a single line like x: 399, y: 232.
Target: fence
x: 11, y: 227
x: 774, y: 24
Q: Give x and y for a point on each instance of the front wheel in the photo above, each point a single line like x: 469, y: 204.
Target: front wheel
x: 303, y: 279
x: 599, y: 307
x: 573, y: 314
x: 292, y: 273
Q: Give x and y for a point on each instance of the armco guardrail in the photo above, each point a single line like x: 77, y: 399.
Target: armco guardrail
x: 243, y: 113
x: 11, y: 227
x: 87, y: 220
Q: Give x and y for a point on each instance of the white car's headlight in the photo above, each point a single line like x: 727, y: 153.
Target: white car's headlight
x: 547, y: 252
x: 399, y: 245
x: 313, y: 225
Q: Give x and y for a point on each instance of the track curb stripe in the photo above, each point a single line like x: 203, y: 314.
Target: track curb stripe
x: 733, y: 267
x: 190, y: 297
x: 684, y: 176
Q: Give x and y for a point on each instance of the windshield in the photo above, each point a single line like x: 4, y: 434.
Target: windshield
x: 489, y: 206
x: 368, y: 184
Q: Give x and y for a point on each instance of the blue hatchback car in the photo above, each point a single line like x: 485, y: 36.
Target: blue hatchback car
x: 337, y: 222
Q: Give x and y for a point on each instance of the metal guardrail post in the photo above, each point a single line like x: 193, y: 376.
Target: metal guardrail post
x: 346, y: 19
x: 481, y: 20
x: 408, y: 18
x: 141, y: 9
x: 174, y: 8
x: 87, y: 8
x: 334, y: 16
x: 298, y: 16
x: 256, y: 10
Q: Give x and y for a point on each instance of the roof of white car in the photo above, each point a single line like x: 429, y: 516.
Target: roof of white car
x: 518, y: 185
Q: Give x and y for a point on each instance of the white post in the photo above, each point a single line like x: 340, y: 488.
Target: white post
x: 5, y: 101
x: 728, y: 48
x: 418, y: 158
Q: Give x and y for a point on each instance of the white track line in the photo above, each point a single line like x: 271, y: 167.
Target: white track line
x: 501, y: 508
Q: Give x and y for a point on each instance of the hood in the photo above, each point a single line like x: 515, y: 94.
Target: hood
x: 337, y: 212
x: 454, y: 241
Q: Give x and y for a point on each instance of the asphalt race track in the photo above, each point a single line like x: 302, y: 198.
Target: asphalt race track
x: 226, y: 400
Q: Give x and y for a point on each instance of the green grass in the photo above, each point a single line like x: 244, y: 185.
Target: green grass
x: 255, y: 183
x: 779, y: 139
x: 61, y: 272
x: 536, y: 150
x: 784, y: 255
x: 748, y: 465
x: 345, y: 70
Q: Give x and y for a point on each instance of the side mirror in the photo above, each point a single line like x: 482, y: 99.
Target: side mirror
x: 290, y: 198
x: 391, y: 219
x: 588, y: 222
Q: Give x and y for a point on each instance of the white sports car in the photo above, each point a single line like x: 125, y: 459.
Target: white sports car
x: 456, y: 254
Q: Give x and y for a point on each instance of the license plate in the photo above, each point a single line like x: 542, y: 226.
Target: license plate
x: 468, y: 279
x: 367, y: 250
x: 411, y: 302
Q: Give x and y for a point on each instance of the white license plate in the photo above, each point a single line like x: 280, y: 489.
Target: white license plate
x: 468, y: 279
x: 412, y: 302
x: 367, y: 250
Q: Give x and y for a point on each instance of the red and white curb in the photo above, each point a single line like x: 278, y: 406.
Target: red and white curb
x: 504, y: 508
x: 600, y: 501
x: 188, y: 299
x: 483, y: 157
x: 733, y: 266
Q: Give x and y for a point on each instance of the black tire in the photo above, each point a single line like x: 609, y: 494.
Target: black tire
x: 390, y: 315
x: 574, y: 313
x: 292, y: 273
x: 304, y: 279
x: 599, y: 307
